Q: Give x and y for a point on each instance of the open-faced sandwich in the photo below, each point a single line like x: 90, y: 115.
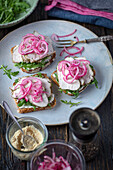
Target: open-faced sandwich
x: 33, y: 93
x: 34, y: 53
x: 73, y: 75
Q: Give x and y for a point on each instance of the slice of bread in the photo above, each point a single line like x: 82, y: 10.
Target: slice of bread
x: 31, y: 109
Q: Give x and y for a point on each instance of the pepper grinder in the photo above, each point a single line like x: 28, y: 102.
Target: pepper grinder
x: 84, y: 124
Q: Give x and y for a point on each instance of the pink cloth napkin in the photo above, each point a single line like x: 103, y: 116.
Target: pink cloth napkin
x: 76, y: 8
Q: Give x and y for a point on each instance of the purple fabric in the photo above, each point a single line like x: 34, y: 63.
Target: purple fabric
x: 76, y: 8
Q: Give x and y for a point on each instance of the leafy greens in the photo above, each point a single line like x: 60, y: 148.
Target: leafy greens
x: 9, y: 72
x: 10, y: 9
x: 71, y: 104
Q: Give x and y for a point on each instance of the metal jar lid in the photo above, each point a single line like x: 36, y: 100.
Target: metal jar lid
x: 84, y: 123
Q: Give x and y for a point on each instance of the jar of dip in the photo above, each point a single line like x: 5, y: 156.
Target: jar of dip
x: 31, y: 126
x: 84, y: 124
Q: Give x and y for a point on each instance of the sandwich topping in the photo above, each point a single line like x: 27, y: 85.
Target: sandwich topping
x: 35, y: 90
x: 72, y: 73
x: 33, y: 44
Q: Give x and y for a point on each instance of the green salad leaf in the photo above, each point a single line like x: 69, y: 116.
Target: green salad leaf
x: 8, y: 72
x: 56, y: 77
x: 75, y: 93
x: 29, y: 66
x: 39, y: 75
x: 23, y: 102
x: 70, y: 103
x: 16, y: 80
x: 10, y: 9
x: 95, y: 82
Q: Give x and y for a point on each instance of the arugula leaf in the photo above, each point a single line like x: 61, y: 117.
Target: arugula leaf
x: 29, y: 66
x: 49, y: 98
x: 56, y: 77
x: 95, y: 82
x: 60, y: 90
x: 30, y: 104
x: 23, y: 102
x: 8, y: 72
x: 39, y: 75
x: 71, y: 104
x: 91, y: 67
x: 75, y: 93
x: 49, y: 104
x: 16, y: 81
x: 11, y: 9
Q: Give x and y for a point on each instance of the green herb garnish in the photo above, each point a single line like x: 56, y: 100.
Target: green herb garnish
x: 49, y: 104
x: 29, y: 66
x: 39, y: 75
x: 9, y: 72
x: 95, y: 82
x: 75, y: 93
x: 23, y: 102
x: 49, y: 98
x: 60, y: 90
x: 11, y: 9
x: 16, y: 81
x: 71, y: 104
x: 30, y: 104
x: 56, y: 77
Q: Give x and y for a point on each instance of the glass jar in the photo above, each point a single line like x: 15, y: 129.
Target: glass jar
x: 84, y: 124
x: 25, y: 121
x: 57, y: 151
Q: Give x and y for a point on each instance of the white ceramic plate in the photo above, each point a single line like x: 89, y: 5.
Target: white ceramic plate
x: 96, y: 53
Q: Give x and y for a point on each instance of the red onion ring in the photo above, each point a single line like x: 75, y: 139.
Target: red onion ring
x: 33, y: 44
x: 34, y: 89
x: 55, y: 37
x: 74, y: 69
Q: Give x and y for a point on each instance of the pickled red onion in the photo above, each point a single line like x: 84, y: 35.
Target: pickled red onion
x: 73, y: 47
x: 26, y: 91
x: 34, y: 89
x: 54, y: 163
x: 73, y: 70
x: 28, y: 35
x: 33, y: 44
x: 66, y: 50
x: 55, y: 37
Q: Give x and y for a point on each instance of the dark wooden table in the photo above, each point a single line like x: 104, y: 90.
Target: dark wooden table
x: 104, y: 159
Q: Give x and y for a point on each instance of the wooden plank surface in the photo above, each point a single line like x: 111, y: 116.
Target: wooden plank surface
x: 104, y: 159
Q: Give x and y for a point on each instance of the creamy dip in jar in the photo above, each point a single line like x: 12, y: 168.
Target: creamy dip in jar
x: 17, y: 138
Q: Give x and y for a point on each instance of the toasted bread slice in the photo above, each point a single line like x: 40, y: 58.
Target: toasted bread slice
x: 31, y: 109
x: 27, y: 110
